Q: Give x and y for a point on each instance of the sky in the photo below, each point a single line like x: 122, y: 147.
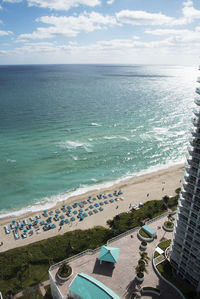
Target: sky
x: 100, y: 31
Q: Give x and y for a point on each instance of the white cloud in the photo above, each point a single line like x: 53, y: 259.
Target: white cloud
x: 69, y: 26
x: 110, y: 1
x: 58, y: 4
x: 4, y: 33
x: 138, y: 17
x: 13, y: 1
x: 63, y: 4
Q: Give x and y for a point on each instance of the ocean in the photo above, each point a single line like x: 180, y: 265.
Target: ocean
x: 67, y: 129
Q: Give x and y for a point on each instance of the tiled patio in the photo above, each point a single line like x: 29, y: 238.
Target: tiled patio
x: 121, y: 277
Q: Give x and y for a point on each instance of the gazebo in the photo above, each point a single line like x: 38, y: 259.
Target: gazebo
x: 109, y: 254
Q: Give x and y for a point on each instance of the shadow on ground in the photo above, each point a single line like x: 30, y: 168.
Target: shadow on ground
x: 103, y: 268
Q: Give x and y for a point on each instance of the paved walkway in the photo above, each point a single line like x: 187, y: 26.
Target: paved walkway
x: 121, y: 277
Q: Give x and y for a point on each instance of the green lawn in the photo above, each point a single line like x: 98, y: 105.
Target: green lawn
x: 143, y: 234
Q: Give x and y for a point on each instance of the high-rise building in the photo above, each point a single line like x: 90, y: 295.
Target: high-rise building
x: 185, y: 248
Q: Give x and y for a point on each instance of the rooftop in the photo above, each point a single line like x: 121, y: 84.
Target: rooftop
x: 120, y: 277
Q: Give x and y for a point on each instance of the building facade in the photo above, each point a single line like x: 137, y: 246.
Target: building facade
x: 185, y: 247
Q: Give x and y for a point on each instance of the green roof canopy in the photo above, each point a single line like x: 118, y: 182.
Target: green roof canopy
x: 109, y: 254
x: 87, y: 287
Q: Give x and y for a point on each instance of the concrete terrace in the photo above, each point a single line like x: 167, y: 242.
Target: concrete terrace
x: 121, y: 277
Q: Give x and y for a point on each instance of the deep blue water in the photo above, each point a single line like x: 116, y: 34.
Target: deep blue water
x: 66, y: 127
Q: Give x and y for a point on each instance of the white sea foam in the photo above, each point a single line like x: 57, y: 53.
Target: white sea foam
x: 50, y: 202
x: 109, y: 137
x: 76, y: 144
x: 75, y: 158
x: 124, y: 137
x: 11, y: 161
x: 96, y: 124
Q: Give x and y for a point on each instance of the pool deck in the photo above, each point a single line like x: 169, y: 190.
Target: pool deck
x: 121, y: 277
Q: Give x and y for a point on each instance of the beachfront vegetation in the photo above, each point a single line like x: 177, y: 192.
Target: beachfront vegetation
x: 23, y: 267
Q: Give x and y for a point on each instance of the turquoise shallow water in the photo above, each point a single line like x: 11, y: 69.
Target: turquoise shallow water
x: 67, y: 128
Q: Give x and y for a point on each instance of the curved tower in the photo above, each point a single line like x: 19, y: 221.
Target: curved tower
x: 185, y: 248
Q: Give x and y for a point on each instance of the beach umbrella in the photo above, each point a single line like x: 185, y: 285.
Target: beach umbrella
x: 81, y: 218
x: 75, y: 212
x: 72, y: 219
x: 96, y: 205
x: 45, y: 211
x: 16, y: 227
x: 63, y: 206
x: 106, y: 202
x: 30, y: 224
x: 101, y: 209
x: 67, y: 221
x: 25, y: 230
x: 89, y: 197
x: 13, y: 221
x: 91, y: 206
x: 62, y: 216
x: 36, y: 221
x: 101, y: 203
x: 80, y: 210
x: 69, y: 207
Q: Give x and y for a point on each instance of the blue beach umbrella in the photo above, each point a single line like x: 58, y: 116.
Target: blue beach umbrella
x: 63, y: 206
x: 13, y: 221
x: 101, y: 209
x: 69, y: 207
x: 72, y: 219
x: 62, y: 216
x: 96, y: 205
x: 81, y: 218
x: 25, y: 230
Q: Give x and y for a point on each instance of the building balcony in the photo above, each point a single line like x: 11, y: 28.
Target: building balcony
x: 185, y: 203
x: 197, y: 101
x: 198, y: 90
x: 194, y: 143
x: 193, y: 153
x: 195, y: 133
x: 196, y: 112
x: 189, y: 180
x: 191, y: 171
x: 196, y: 121
x: 188, y: 187
x: 191, y: 161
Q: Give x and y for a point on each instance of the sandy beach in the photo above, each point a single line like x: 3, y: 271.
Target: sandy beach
x: 152, y: 186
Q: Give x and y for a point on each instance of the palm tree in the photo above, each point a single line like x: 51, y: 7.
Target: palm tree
x: 144, y: 257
